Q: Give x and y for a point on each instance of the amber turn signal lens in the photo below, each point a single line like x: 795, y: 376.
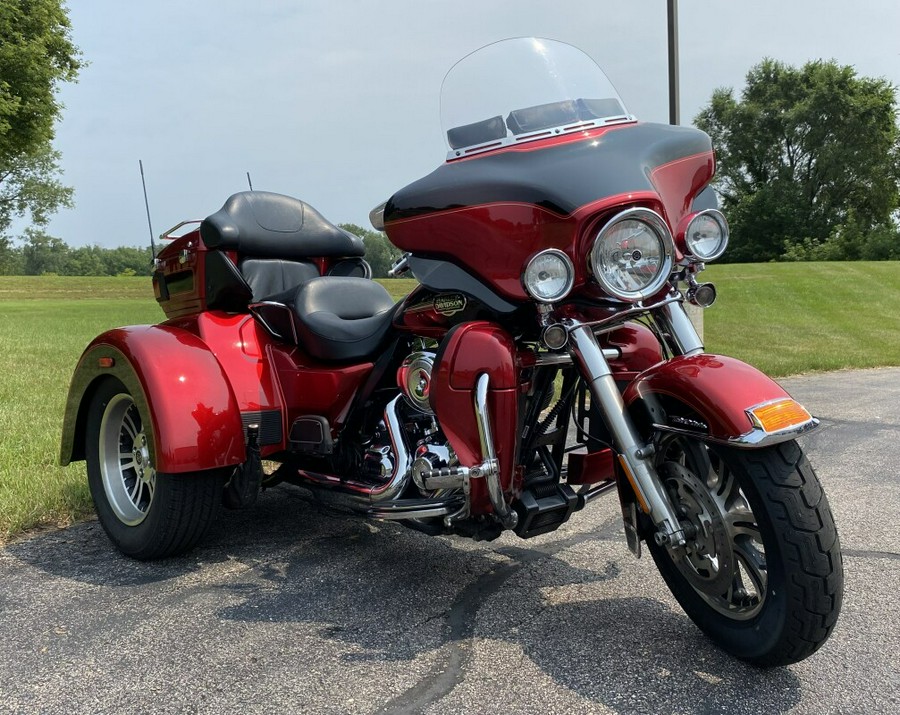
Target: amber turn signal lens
x: 779, y: 415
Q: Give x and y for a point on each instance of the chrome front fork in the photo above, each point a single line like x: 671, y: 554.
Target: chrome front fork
x: 635, y: 456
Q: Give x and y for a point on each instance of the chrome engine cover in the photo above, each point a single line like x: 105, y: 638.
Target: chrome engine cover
x: 414, y: 380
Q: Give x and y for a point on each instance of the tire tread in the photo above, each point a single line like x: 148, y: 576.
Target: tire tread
x: 810, y: 547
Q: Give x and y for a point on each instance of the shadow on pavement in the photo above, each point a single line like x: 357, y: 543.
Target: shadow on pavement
x: 390, y: 594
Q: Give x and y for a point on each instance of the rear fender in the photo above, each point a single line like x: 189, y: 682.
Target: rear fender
x: 721, y: 392
x: 195, y: 422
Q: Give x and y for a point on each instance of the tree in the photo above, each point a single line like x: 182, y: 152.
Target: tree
x: 379, y: 252
x: 36, y: 56
x: 805, y: 157
x: 44, y: 254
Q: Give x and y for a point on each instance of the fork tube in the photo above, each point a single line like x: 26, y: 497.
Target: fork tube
x: 589, y: 357
x: 675, y: 322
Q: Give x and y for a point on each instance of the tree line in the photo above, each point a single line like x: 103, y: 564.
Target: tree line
x: 39, y: 254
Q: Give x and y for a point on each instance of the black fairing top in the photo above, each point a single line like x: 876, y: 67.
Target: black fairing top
x: 560, y: 178
x: 268, y: 225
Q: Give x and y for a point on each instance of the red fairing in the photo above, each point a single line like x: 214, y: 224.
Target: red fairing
x: 492, y: 212
x: 678, y: 182
x: 471, y: 236
x: 717, y: 388
x: 471, y: 350
x: 195, y: 418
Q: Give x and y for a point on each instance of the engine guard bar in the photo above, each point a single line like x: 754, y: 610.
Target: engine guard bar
x: 488, y: 469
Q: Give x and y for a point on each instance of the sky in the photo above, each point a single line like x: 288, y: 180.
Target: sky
x: 336, y: 102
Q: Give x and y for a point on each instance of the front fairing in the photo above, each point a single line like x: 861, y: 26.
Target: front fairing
x: 540, y: 150
x: 490, y: 213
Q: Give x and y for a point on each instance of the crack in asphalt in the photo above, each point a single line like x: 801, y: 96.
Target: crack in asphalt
x: 449, y: 671
x: 868, y: 423
x: 858, y: 553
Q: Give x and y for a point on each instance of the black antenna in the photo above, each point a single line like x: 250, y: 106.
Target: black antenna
x: 249, y: 182
x: 147, y: 206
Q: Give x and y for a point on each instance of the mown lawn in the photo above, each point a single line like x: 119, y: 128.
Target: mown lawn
x: 788, y: 318
x: 45, y: 323
x: 784, y: 318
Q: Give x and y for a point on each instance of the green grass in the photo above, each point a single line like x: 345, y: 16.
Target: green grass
x: 45, y: 324
x: 783, y: 318
x: 789, y: 318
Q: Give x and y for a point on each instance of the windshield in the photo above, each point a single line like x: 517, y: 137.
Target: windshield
x: 521, y: 90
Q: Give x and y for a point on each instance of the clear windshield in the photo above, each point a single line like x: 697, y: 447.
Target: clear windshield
x: 521, y: 90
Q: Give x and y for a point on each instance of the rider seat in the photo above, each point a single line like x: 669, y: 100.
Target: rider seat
x: 341, y: 318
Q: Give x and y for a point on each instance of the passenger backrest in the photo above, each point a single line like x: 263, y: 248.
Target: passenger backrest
x: 276, y: 238
x: 268, y: 277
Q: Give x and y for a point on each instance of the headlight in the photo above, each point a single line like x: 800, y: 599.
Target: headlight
x: 632, y: 255
x: 706, y: 235
x: 549, y: 276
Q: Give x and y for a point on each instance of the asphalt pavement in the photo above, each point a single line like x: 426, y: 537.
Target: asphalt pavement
x: 290, y: 608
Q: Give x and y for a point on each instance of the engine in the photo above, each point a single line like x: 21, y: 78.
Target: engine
x: 414, y: 380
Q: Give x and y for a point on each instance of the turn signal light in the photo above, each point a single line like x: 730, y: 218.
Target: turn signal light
x: 778, y: 415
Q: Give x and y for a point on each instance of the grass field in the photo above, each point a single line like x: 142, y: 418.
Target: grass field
x: 783, y: 318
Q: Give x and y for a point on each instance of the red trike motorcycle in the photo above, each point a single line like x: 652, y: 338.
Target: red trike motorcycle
x: 544, y: 357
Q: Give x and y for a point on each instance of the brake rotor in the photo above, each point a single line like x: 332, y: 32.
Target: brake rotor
x: 707, y: 561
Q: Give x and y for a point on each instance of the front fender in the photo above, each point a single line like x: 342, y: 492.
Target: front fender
x: 175, y: 379
x: 722, y: 391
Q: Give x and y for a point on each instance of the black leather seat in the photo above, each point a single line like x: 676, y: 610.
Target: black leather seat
x: 339, y: 318
x: 278, y: 240
x: 269, y: 278
x: 266, y: 225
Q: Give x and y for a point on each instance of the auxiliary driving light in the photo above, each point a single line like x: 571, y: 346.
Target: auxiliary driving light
x: 706, y: 235
x: 549, y: 276
x: 702, y: 295
x: 555, y: 336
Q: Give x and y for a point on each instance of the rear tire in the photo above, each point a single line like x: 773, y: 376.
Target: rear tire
x: 147, y: 515
x: 780, y: 563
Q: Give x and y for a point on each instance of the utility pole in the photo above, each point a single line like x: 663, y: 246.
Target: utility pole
x: 694, y: 313
x: 674, y: 105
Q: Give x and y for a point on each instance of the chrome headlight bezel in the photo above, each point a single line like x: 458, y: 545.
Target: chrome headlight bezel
x: 565, y: 261
x: 690, y: 249
x: 658, y: 226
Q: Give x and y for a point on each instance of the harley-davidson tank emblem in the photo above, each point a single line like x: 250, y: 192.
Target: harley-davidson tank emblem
x: 449, y: 303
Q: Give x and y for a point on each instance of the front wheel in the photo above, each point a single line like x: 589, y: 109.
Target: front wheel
x: 147, y: 515
x: 761, y: 573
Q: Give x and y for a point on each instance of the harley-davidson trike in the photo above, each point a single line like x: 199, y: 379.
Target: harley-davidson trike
x: 544, y: 357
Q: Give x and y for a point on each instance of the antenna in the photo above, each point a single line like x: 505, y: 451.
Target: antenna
x: 147, y: 206
x: 249, y: 182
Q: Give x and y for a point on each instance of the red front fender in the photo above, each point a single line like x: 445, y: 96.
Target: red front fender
x: 175, y: 379
x: 717, y: 388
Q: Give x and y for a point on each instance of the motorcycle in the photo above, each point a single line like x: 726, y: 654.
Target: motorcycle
x: 545, y: 357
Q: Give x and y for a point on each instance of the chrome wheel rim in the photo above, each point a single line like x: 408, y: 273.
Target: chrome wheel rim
x: 724, y: 560
x: 129, y: 479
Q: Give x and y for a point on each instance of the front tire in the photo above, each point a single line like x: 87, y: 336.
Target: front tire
x: 147, y: 515
x: 762, y: 573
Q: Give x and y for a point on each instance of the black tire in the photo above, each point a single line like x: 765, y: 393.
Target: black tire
x: 169, y: 513
x: 796, y: 610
